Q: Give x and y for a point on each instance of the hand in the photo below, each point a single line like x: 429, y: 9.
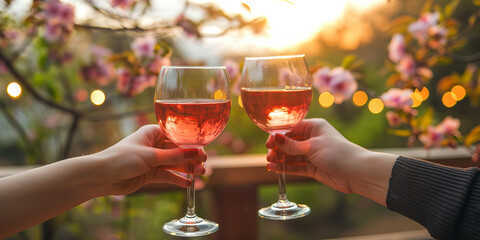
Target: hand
x: 315, y: 149
x: 147, y: 156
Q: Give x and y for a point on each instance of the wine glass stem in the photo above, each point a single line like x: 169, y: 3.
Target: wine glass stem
x: 282, y: 182
x: 191, y: 193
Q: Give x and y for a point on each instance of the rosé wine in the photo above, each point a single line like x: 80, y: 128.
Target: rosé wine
x: 276, y: 110
x: 192, y: 122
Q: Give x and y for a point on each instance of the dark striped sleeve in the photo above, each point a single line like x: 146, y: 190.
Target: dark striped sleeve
x: 445, y: 200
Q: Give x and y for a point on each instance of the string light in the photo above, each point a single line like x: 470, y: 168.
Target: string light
x: 14, y: 90
x: 375, y: 105
x: 448, y: 99
x: 424, y: 93
x: 97, y: 97
x: 360, y: 98
x: 240, y: 101
x: 416, y: 101
x: 458, y: 92
x: 326, y: 99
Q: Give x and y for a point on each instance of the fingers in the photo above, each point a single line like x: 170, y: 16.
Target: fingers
x: 166, y: 176
x: 289, y: 145
x: 198, y: 168
x: 276, y: 156
x: 155, y: 157
x: 291, y: 169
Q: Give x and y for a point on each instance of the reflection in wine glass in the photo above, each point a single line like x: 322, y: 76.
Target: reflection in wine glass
x: 276, y: 93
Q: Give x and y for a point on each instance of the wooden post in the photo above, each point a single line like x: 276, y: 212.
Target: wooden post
x: 235, y: 210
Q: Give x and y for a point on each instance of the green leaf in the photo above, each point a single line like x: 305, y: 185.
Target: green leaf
x: 427, y: 6
x: 348, y: 60
x: 451, y: 7
x: 426, y: 119
x: 468, y: 74
x: 447, y: 82
x: 473, y: 136
x: 401, y: 24
x: 399, y: 132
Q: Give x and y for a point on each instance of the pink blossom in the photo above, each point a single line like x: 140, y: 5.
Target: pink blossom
x: 124, y: 4
x: 407, y: 67
x: 284, y: 76
x: 100, y: 72
x: 81, y: 95
x: 396, y: 48
x: 432, y: 138
x: 449, y: 126
x: 233, y: 70
x: 53, y: 33
x: 322, y: 79
x: 438, y: 37
x: 338, y: 81
x: 57, y: 13
x: 393, y: 119
x: 100, y: 52
x: 144, y: 46
x: 158, y: 63
x: 419, y: 29
x: 131, y: 85
x: 397, y: 98
x: 342, y: 85
x: 3, y: 68
x: 188, y: 27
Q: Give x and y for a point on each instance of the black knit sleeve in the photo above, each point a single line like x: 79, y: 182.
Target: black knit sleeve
x: 445, y: 200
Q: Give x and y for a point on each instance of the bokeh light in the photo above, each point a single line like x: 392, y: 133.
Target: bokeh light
x: 326, y: 99
x: 360, y: 98
x: 220, y: 95
x: 448, y: 100
x: 458, y: 92
x: 416, y: 101
x: 424, y: 93
x: 240, y: 101
x: 416, y: 96
x: 375, y: 105
x: 14, y: 90
x: 97, y: 97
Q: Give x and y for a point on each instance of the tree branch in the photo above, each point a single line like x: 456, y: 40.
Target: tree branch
x: 115, y: 116
x: 471, y: 58
x: 32, y: 90
x: 20, y: 131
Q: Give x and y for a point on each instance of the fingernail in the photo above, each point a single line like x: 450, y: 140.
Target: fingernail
x: 269, y: 145
x: 268, y: 168
x: 189, y: 153
x: 280, y: 139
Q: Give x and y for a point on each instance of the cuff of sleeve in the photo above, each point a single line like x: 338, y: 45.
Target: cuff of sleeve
x: 430, y: 194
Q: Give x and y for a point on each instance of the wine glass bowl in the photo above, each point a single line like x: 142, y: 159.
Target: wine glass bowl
x: 192, y: 106
x: 276, y: 93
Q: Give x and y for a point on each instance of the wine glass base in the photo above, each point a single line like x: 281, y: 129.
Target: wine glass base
x: 190, y: 227
x: 284, y: 211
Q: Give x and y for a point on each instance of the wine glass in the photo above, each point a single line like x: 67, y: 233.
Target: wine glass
x: 276, y: 93
x: 192, y: 105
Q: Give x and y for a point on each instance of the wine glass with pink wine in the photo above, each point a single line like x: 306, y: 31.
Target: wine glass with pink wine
x: 192, y: 105
x: 276, y: 93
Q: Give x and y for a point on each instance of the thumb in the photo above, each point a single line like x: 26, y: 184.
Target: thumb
x: 290, y: 146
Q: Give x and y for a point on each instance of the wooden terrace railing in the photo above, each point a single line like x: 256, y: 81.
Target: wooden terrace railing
x: 236, y: 179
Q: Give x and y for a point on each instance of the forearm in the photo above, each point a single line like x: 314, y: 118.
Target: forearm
x: 31, y: 197
x: 370, y: 175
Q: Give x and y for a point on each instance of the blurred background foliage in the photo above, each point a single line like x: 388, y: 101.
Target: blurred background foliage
x: 58, y: 60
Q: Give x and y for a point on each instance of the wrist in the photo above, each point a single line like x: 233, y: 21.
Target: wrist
x: 370, y: 175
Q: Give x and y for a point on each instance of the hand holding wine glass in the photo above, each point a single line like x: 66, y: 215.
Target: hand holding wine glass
x: 276, y: 93
x: 192, y: 105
